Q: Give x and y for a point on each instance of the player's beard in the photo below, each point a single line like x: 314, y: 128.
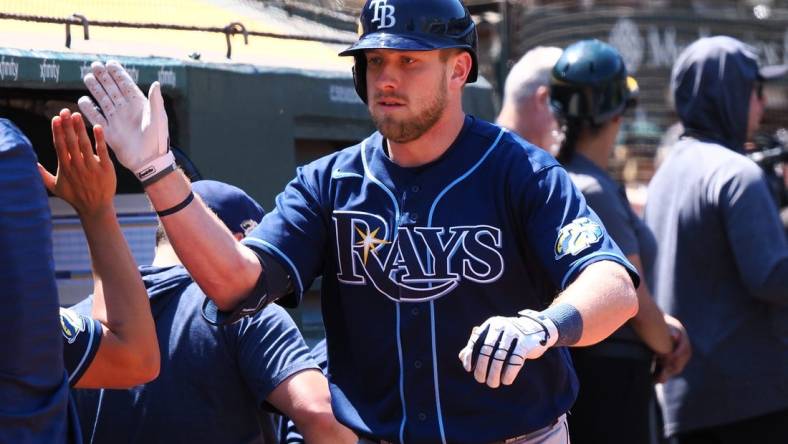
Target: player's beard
x: 403, y: 131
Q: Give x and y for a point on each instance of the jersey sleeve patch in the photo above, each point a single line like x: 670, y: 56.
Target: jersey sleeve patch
x: 577, y: 236
x: 81, y: 338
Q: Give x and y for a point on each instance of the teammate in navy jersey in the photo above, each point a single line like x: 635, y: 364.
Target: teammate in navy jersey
x: 228, y: 376
x: 33, y: 385
x: 128, y: 355
x: 437, y: 235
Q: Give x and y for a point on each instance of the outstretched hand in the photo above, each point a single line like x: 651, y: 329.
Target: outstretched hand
x: 85, y: 180
x: 136, y: 126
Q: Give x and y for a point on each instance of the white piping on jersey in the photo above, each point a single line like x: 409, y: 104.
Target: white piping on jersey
x: 91, y: 332
x: 98, y: 412
x: 394, y: 231
x: 432, y: 303
x: 584, y: 260
x: 259, y: 243
x: 377, y: 181
x: 461, y: 178
x: 438, y: 409
x: 401, y: 380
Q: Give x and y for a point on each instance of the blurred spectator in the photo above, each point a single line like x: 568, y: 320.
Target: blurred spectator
x: 722, y: 263
x: 525, y: 110
x: 590, y: 91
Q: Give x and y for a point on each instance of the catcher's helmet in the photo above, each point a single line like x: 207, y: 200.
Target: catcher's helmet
x: 590, y: 82
x: 411, y: 25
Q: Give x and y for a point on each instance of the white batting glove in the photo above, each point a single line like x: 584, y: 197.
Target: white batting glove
x: 509, y: 341
x: 135, y: 126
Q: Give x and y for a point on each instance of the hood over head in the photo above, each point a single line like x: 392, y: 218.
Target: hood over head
x: 712, y: 81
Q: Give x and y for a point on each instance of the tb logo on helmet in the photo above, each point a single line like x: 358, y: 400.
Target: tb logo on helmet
x: 384, y: 13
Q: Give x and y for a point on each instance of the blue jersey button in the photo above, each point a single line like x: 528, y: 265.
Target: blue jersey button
x: 415, y: 188
x: 422, y: 416
x: 417, y: 364
x: 414, y: 311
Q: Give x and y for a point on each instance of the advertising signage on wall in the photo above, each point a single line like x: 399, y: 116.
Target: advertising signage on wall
x: 50, y: 69
x: 655, y: 46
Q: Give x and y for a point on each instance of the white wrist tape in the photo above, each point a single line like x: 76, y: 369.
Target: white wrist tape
x: 155, y: 167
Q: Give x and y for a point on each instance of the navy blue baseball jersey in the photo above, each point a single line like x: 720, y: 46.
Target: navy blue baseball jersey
x: 81, y: 339
x: 413, y: 258
x: 33, y: 386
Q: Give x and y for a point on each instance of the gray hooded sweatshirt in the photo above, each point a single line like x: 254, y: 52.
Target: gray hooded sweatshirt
x: 722, y: 261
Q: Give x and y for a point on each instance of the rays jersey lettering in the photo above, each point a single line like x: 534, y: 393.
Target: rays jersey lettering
x: 384, y: 13
x: 416, y: 263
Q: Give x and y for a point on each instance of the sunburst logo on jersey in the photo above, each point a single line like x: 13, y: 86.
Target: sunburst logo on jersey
x: 370, y: 241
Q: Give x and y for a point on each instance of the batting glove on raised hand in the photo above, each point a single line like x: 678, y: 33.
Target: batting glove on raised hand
x: 500, y: 346
x: 135, y: 126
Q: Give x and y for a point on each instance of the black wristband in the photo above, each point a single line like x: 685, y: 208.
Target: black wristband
x: 178, y: 207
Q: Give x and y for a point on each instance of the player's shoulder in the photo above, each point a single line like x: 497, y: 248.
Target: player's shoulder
x: 345, y: 162
x: 272, y: 317
x: 588, y: 184
x: 720, y: 164
x: 589, y: 178
x: 516, y: 152
x: 12, y: 139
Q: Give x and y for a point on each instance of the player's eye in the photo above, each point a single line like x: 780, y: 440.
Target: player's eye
x: 408, y: 60
x: 374, y: 60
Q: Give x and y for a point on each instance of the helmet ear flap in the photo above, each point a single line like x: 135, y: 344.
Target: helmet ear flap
x: 360, y: 76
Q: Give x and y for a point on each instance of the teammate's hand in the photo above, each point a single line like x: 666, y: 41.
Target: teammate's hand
x: 509, y: 341
x: 135, y: 126
x: 85, y: 180
x: 671, y: 364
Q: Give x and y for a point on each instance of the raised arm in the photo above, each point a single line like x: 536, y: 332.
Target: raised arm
x: 225, y: 269
x: 136, y: 129
x: 128, y: 353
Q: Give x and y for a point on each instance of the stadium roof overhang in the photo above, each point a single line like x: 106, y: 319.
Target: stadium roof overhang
x: 34, y: 48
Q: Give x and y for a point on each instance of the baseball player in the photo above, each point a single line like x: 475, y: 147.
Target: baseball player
x: 33, y: 388
x: 217, y: 383
x: 438, y: 235
x: 590, y: 91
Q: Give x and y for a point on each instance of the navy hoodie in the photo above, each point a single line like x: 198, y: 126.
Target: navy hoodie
x: 722, y: 254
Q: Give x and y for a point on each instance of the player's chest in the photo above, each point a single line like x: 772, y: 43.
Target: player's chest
x: 418, y: 242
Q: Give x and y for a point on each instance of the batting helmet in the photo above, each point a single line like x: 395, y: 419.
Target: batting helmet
x: 590, y: 82
x: 411, y: 25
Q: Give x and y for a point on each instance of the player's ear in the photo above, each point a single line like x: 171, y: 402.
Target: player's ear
x: 542, y: 95
x: 461, y: 63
